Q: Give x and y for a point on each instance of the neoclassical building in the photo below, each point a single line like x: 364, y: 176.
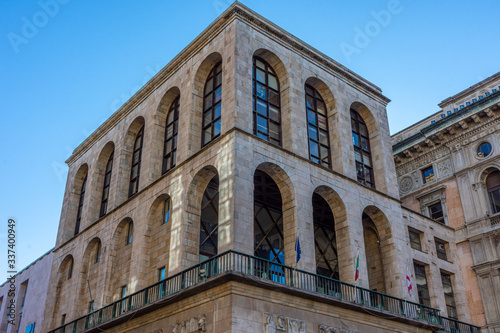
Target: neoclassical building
x: 448, y: 169
x: 240, y: 190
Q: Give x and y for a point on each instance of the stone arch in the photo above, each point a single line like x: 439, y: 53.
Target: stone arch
x: 157, y: 240
x: 120, y: 258
x: 159, y: 121
x: 64, y: 288
x: 199, y: 80
x: 325, y: 92
x: 126, y: 160
x: 191, y: 226
x: 283, y: 74
x: 380, y: 249
x: 74, y: 200
x: 488, y: 181
x: 91, y: 269
x: 287, y: 191
x: 341, y: 226
x: 98, y: 181
x: 368, y: 117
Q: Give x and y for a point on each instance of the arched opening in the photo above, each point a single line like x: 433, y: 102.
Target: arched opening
x: 325, y: 242
x: 157, y: 243
x: 317, y: 127
x: 170, y: 144
x: 207, y: 103
x: 64, y: 284
x: 209, y: 221
x: 362, y: 150
x: 135, y: 167
x: 373, y: 253
x: 120, y: 256
x: 266, y: 102
x: 90, y: 296
x: 269, y: 240
x: 101, y: 186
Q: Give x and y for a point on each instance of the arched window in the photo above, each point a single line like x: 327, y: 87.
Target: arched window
x: 136, y: 164
x: 166, y: 210
x: 317, y: 128
x: 266, y: 102
x: 327, y: 263
x: 362, y: 150
x: 268, y: 220
x: 98, y: 252
x: 170, y: 145
x: 80, y: 206
x: 493, y: 186
x: 105, y: 189
x: 209, y: 221
x: 70, y: 268
x: 212, y: 105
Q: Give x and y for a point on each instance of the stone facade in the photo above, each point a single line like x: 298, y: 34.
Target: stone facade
x: 30, y: 292
x: 125, y: 249
x: 450, y: 145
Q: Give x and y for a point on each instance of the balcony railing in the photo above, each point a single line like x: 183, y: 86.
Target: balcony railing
x: 236, y: 262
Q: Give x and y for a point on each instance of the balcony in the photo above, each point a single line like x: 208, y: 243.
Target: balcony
x: 261, y: 272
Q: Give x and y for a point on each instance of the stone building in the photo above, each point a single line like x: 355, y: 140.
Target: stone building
x: 187, y: 209
x: 448, y: 169
x: 22, y: 297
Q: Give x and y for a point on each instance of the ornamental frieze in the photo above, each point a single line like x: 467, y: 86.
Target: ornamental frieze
x: 278, y: 324
x: 331, y: 329
x: 193, y: 325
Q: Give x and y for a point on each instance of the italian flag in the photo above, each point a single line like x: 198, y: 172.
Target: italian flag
x: 356, y: 275
x: 408, y: 282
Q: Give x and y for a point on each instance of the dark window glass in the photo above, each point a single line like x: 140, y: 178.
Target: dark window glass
x: 80, y: 206
x: 436, y: 212
x: 212, y: 99
x: 130, y: 232
x: 484, y: 149
x: 448, y: 295
x: 105, y: 188
x: 324, y: 238
x: 493, y: 186
x: 70, y: 269
x: 166, y: 210
x: 428, y: 174
x: 136, y: 163
x: 362, y: 150
x: 415, y: 240
x: 63, y: 319
x: 209, y: 222
x: 268, y: 220
x: 266, y: 102
x: 98, y: 252
x: 441, y: 249
x: 319, y: 142
x: 422, y: 288
x: 170, y: 144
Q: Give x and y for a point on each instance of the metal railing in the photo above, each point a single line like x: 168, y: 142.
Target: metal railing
x: 233, y: 261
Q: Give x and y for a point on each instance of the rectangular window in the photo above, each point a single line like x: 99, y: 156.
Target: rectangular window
x: 487, y: 94
x: 428, y: 174
x: 433, y: 121
x: 455, y: 109
x: 415, y: 242
x: 166, y: 210
x: 461, y: 106
x: 448, y: 295
x: 161, y: 274
x: 449, y: 112
x: 467, y: 103
x: 474, y: 100
x: 436, y: 212
x: 481, y: 97
x: 441, y: 249
x: 494, y: 90
x: 63, y: 319
x: 422, y: 288
x: 123, y: 294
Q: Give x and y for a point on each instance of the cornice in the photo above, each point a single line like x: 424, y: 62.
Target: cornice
x: 469, y: 90
x: 235, y: 11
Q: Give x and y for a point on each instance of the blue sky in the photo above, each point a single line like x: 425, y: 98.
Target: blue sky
x: 65, y: 69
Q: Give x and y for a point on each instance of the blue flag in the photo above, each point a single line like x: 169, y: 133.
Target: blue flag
x: 297, y: 248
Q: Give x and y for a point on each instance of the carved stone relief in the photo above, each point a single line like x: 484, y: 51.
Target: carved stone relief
x: 331, y: 329
x: 192, y: 325
x: 405, y: 184
x: 276, y: 323
x: 444, y: 168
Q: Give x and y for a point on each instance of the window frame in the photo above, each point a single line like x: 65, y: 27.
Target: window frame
x: 424, y: 179
x: 80, y: 206
x: 166, y: 212
x: 419, y: 235
x: 441, y: 219
x: 98, y: 252
x: 450, y: 308
x: 106, y: 186
x: 214, y: 72
x: 355, y: 130
x: 424, y: 301
x: 268, y: 71
x: 316, y: 97
x: 441, y: 254
x: 132, y: 190
x: 130, y: 233
x: 172, y: 154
